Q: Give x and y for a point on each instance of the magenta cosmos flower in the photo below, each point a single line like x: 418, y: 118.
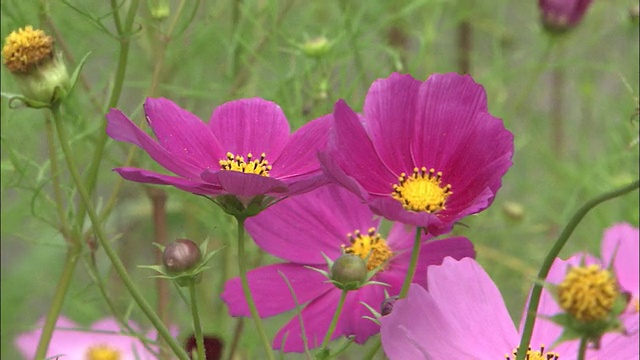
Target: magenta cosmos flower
x: 102, y: 340
x: 423, y: 153
x: 245, y: 150
x: 463, y: 316
x: 562, y: 15
x: 328, y: 220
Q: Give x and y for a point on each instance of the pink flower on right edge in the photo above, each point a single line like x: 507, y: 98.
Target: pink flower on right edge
x: 463, y: 316
x: 423, y: 153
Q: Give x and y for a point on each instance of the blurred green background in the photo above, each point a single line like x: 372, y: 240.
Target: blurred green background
x: 230, y: 49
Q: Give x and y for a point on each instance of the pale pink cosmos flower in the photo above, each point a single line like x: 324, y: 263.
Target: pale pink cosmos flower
x: 463, y: 316
x: 102, y: 340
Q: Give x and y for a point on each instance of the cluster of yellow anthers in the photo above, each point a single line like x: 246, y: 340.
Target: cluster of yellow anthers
x: 535, y: 355
x: 372, y: 245
x: 588, y: 292
x: 237, y: 163
x: 422, y: 191
x: 26, y: 48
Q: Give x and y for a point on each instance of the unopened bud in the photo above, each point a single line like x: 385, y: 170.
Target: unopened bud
x: 387, y: 305
x: 349, y: 270
x: 181, y: 255
x: 316, y: 48
x: 159, y: 9
x: 558, y: 16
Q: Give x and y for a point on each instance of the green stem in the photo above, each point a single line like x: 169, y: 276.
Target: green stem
x: 535, y: 74
x: 415, y: 252
x: 553, y: 253
x: 55, y: 180
x: 197, y: 328
x: 374, y: 349
x: 582, y: 350
x: 242, y: 267
x: 102, y: 238
x: 116, y: 91
x: 334, y: 321
x: 73, y: 253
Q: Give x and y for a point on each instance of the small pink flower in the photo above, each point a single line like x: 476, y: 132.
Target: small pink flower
x: 328, y: 220
x: 562, y: 15
x: 104, y: 337
x: 463, y: 316
x: 245, y: 150
x: 423, y: 153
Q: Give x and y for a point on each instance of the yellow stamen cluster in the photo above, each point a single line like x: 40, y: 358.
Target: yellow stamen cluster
x: 421, y: 191
x: 588, y: 293
x: 237, y: 163
x: 536, y: 354
x: 102, y: 352
x: 26, y: 48
x: 372, y: 245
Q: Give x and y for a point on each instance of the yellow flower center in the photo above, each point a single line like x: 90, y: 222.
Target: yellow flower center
x: 588, y: 292
x: 372, y: 245
x: 26, y: 48
x: 421, y: 191
x: 237, y: 163
x: 102, y: 352
x: 535, y: 354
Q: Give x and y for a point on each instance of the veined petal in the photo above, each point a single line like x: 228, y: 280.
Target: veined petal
x: 151, y: 177
x: 356, y: 155
x: 301, y: 228
x: 250, y: 126
x: 270, y: 291
x: 244, y: 184
x: 300, y: 156
x: 390, y: 110
x: 183, y: 134
x: 120, y: 128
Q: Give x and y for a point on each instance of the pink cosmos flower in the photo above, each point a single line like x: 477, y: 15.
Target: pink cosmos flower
x: 328, y: 220
x: 463, y: 315
x: 620, y: 248
x: 103, y: 340
x: 423, y: 153
x: 562, y: 15
x: 245, y: 150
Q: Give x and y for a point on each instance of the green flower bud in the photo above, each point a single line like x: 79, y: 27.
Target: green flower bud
x: 159, y: 9
x: 316, y: 48
x: 181, y: 255
x: 350, y: 271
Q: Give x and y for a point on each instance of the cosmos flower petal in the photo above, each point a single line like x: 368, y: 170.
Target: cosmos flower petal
x: 150, y: 177
x: 120, y: 128
x: 300, y: 156
x: 182, y: 134
x: 316, y: 317
x: 452, y: 285
x: 393, y: 98
x: 245, y: 185
x: 250, y: 126
x: 392, y: 209
x: 354, y: 321
x: 270, y: 291
x: 357, y: 156
x: 620, y: 244
x: 303, y: 227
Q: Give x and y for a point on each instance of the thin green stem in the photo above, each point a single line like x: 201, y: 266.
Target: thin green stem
x: 242, y: 267
x: 553, y: 253
x: 374, y: 349
x: 415, y: 252
x: 125, y: 36
x: 197, y: 328
x: 535, y: 74
x: 55, y: 180
x: 582, y: 350
x: 102, y: 238
x: 73, y: 253
x: 334, y: 321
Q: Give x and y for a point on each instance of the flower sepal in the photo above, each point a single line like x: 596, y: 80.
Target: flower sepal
x: 243, y: 208
x: 346, y: 274
x: 188, y: 276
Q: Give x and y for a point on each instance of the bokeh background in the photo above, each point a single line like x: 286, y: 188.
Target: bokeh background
x: 586, y: 85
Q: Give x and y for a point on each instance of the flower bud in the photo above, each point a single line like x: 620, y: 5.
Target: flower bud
x: 387, y: 305
x: 159, y: 9
x: 558, y: 16
x: 39, y: 72
x: 634, y: 13
x: 316, y: 48
x: 349, y: 271
x: 181, y: 255
x: 513, y: 210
